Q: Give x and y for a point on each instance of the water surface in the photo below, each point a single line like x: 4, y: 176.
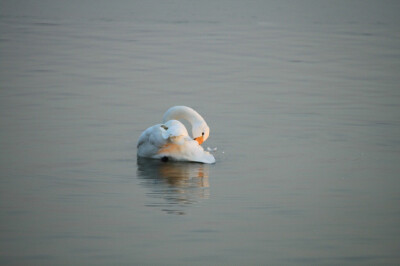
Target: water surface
x: 303, y: 102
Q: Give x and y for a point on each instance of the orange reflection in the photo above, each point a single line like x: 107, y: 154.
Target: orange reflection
x: 178, y: 184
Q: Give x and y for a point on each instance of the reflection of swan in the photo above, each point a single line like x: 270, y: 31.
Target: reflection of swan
x: 171, y: 140
x: 177, y: 184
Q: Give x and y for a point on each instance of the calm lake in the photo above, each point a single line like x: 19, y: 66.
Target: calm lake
x: 302, y: 99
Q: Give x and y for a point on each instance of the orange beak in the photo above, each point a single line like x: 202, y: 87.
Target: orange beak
x: 200, y: 140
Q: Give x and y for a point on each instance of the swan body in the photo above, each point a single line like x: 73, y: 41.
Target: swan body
x: 171, y: 139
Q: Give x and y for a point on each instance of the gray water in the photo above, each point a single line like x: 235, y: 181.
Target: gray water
x: 303, y: 102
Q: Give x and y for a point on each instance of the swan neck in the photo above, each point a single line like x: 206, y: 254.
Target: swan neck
x: 183, y: 112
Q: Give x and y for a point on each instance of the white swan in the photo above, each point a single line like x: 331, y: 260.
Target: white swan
x: 171, y: 140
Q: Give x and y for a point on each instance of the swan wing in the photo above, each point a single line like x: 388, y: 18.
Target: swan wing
x: 154, y: 139
x: 175, y: 132
x: 150, y: 141
x: 172, y: 140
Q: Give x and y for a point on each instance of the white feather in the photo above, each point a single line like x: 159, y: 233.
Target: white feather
x: 172, y: 140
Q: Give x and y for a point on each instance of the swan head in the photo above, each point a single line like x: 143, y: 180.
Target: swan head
x: 200, y: 129
x: 200, y: 132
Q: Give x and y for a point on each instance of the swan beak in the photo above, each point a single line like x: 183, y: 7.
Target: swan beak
x: 199, y: 140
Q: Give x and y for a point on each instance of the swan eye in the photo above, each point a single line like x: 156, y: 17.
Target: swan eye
x: 202, y: 133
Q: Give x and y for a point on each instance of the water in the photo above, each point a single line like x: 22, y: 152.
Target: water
x: 303, y: 102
